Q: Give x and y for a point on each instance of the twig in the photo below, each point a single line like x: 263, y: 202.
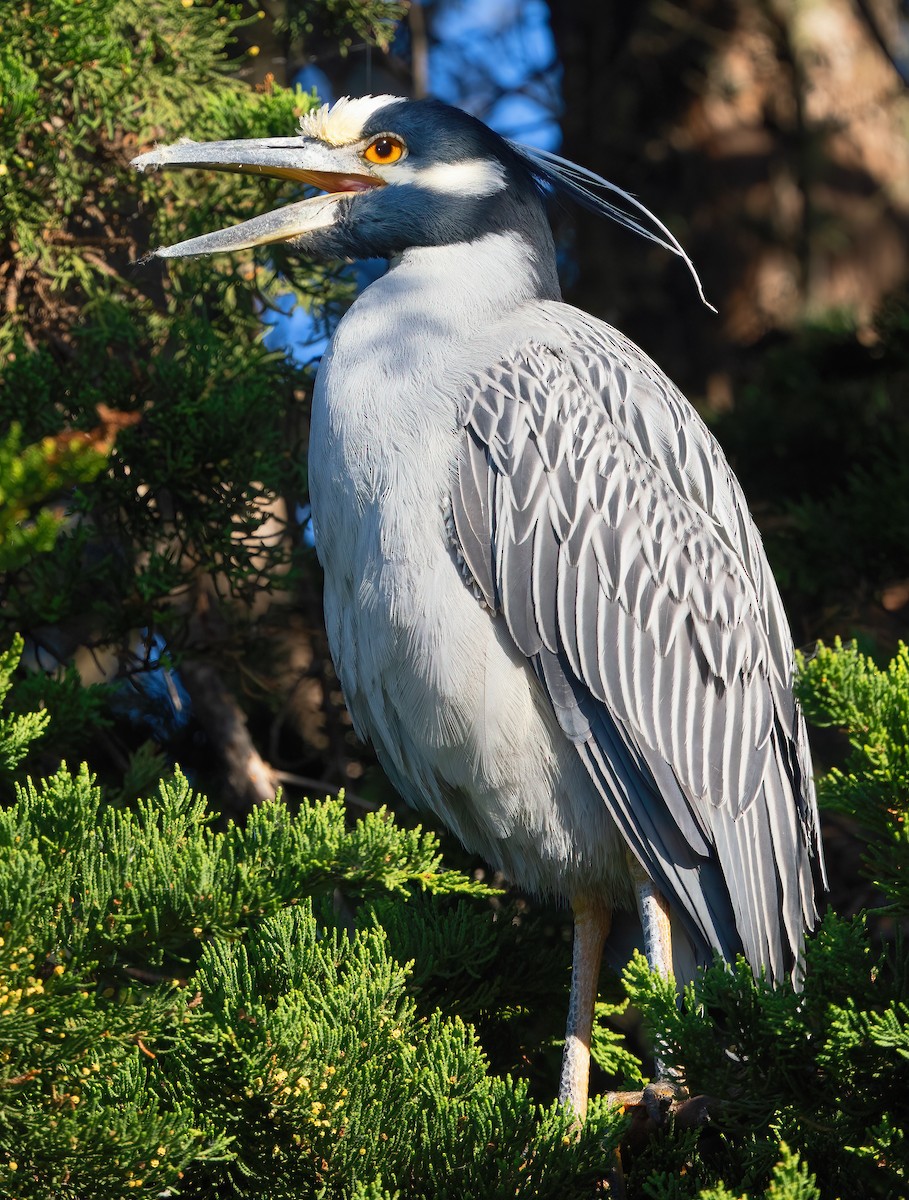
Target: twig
x: 323, y: 786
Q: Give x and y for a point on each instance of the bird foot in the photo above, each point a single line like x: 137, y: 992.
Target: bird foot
x: 659, y: 1096
x: 660, y: 1099
x: 659, y: 1091
x: 649, y: 1111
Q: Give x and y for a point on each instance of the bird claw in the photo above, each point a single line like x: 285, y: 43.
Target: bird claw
x: 648, y: 1111
x: 655, y: 1102
x: 658, y: 1098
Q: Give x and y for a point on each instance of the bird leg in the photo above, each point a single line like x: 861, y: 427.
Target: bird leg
x: 654, y: 913
x: 591, y: 926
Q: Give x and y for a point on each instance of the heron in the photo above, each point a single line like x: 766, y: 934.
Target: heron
x: 546, y: 601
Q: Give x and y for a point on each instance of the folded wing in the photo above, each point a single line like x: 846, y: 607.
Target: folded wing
x: 594, y: 510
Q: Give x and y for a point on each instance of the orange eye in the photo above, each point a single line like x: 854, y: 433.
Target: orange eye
x: 384, y: 150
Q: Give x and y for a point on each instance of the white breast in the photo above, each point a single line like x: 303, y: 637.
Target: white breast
x: 430, y: 677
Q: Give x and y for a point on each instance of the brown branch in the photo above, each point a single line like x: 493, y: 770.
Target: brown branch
x: 60, y: 237
x: 15, y: 1080
x: 322, y: 786
x: 144, y: 1048
x: 11, y: 297
x: 250, y: 777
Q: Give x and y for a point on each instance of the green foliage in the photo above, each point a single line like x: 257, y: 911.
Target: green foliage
x: 29, y: 475
x: 237, y: 1001
x: 285, y: 1000
x: 609, y: 1048
x: 179, y: 975
x: 820, y: 441
x: 505, y: 971
x: 17, y: 733
x: 383, y: 1098
x: 76, y: 712
x: 185, y: 1006
x: 338, y: 22
x: 156, y: 879
x: 845, y: 689
x: 791, y: 1180
x: 200, y: 487
x: 821, y: 1069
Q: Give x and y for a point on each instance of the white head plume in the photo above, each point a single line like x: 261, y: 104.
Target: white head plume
x: 580, y: 183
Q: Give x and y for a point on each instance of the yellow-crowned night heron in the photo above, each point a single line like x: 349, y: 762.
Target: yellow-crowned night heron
x: 546, y: 601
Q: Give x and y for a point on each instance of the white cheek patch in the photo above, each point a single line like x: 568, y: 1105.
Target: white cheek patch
x: 476, y: 177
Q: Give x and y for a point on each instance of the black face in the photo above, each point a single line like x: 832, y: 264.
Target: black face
x: 437, y: 133
x: 417, y: 174
x: 388, y: 220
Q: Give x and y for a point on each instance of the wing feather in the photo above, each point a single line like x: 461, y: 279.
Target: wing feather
x: 472, y: 516
x: 543, y: 587
x: 595, y: 511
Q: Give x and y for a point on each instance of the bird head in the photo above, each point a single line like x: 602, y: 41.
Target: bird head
x: 396, y: 174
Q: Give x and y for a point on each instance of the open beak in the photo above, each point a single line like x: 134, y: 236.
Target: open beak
x: 337, y: 171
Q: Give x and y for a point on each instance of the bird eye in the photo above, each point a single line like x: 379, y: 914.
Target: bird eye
x: 384, y: 150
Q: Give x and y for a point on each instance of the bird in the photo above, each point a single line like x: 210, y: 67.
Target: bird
x: 546, y: 601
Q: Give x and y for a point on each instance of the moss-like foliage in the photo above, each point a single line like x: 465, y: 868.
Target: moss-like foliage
x: 220, y: 1011
x: 201, y: 423
x: 844, y: 689
x: 203, y: 1007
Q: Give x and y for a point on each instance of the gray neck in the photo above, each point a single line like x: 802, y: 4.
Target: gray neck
x: 414, y: 331
x: 466, y: 286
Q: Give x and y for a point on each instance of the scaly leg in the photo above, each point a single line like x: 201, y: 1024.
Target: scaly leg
x: 654, y: 914
x: 591, y: 926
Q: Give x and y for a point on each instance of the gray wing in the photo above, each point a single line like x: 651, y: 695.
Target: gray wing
x: 594, y: 510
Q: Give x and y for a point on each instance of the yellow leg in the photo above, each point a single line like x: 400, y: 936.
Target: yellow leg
x: 654, y: 914
x: 591, y: 926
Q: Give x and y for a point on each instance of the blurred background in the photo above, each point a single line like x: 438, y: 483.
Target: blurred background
x: 178, y: 615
